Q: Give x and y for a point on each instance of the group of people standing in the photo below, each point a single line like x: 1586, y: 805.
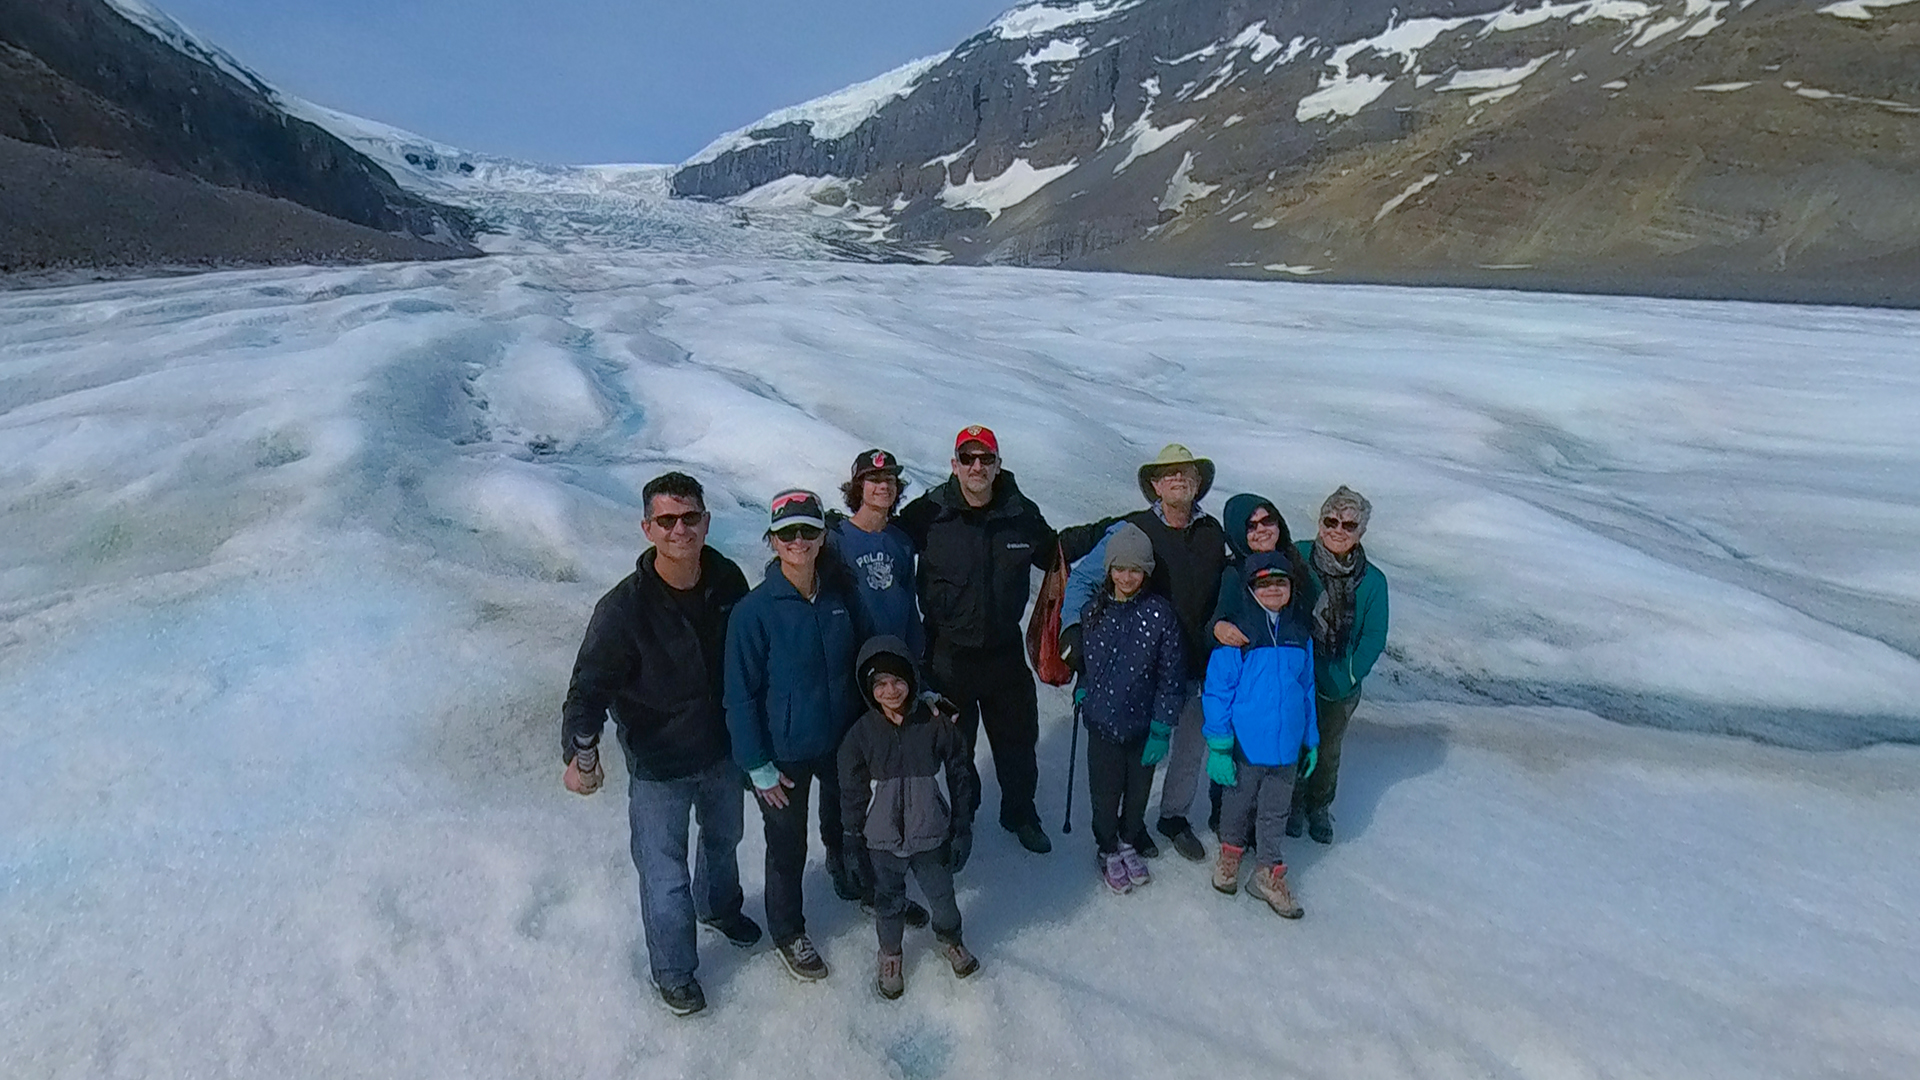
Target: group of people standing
x: 884, y: 640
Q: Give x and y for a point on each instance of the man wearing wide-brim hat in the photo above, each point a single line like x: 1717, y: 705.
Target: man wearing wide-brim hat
x: 1190, y: 551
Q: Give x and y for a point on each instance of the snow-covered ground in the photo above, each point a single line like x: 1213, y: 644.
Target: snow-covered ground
x: 294, y: 562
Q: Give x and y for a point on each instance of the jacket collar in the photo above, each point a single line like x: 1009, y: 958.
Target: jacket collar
x: 1006, y: 500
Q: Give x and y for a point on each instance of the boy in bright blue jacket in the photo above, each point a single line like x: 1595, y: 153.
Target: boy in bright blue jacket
x: 1260, y: 712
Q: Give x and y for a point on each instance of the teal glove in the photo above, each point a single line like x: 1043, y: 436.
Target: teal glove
x: 1079, y: 694
x: 1312, y: 762
x: 1220, y: 765
x: 765, y: 776
x: 1159, y: 737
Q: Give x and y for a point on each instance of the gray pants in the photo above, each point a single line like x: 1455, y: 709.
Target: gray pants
x: 1186, y: 759
x: 1262, y: 793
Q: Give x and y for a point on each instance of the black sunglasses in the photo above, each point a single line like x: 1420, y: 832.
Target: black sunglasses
x: 978, y: 459
x: 1261, y: 522
x: 798, y: 532
x: 1338, y: 525
x: 669, y: 522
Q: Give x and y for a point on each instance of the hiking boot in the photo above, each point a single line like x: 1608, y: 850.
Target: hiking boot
x: 802, y: 960
x: 913, y: 914
x: 891, y: 980
x: 964, y: 963
x: 1136, y: 866
x: 739, y: 930
x: 1114, y: 870
x: 1226, y: 871
x: 1270, y: 884
x: 1320, y: 825
x: 1143, y: 843
x: 1297, y: 822
x: 1184, y: 842
x: 683, y: 1000
x: 1031, y: 837
x: 846, y: 882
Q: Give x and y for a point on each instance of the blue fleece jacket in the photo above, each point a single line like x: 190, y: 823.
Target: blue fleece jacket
x: 790, y: 682
x: 1262, y: 695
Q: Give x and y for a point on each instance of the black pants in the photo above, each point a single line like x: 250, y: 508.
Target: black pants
x: 890, y: 895
x: 994, y: 690
x: 1316, y: 791
x: 1117, y: 786
x: 786, y: 830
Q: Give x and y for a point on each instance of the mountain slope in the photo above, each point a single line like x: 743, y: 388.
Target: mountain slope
x: 1696, y: 147
x: 119, y: 90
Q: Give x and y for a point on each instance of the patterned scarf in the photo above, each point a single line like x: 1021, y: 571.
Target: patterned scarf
x: 1333, y: 613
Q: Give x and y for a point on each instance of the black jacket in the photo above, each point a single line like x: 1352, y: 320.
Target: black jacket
x: 643, y: 660
x: 975, y: 564
x: 1186, y: 570
x: 889, y: 774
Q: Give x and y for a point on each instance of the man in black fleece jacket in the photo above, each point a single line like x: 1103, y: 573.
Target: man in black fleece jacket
x: 652, y: 657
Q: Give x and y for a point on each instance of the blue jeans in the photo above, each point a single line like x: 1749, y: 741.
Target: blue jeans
x: 669, y: 903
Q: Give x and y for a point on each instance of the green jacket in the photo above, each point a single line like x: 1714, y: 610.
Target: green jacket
x: 1337, y: 677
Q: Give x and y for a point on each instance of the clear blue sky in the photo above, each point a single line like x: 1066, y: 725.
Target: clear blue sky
x: 576, y: 81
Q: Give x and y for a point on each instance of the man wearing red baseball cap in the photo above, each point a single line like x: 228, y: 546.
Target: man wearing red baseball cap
x: 979, y: 539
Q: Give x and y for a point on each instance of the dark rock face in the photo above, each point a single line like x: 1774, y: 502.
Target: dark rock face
x: 1678, y: 146
x: 78, y: 78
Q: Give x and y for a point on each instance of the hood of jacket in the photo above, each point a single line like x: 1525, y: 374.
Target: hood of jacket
x: 1252, y: 618
x: 1234, y: 519
x: 885, y: 645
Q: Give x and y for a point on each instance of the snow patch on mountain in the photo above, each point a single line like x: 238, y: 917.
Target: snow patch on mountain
x: 163, y: 26
x: 1183, y: 188
x: 1145, y: 137
x: 830, y: 116
x: 1413, y: 189
x: 1057, y: 51
x: 1859, y: 9
x: 1038, y: 20
x: 1020, y: 182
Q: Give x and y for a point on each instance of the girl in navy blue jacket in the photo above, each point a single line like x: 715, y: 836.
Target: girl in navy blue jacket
x: 1134, y: 686
x: 1260, y: 715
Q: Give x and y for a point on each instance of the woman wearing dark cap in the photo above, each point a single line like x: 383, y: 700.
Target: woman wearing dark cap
x: 790, y: 698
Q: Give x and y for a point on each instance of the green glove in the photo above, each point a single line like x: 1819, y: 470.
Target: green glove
x: 1220, y: 766
x: 1312, y: 762
x: 1159, y: 737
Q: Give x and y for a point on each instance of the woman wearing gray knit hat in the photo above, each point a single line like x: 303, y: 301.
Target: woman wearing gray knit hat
x: 1349, y: 623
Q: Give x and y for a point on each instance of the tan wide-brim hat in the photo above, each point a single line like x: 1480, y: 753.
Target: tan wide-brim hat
x: 1175, y: 454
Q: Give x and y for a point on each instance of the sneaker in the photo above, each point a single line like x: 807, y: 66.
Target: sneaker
x: 964, y: 963
x: 1270, y: 884
x: 1320, y: 825
x: 914, y: 915
x: 683, y: 1000
x: 1031, y: 837
x: 891, y: 980
x: 1114, y: 870
x: 739, y: 930
x: 1226, y: 871
x: 1184, y: 842
x: 802, y: 960
x: 1136, y: 866
x: 1297, y: 822
x: 1143, y: 843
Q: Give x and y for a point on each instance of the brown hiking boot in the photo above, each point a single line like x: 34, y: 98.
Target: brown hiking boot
x: 1270, y: 885
x: 1226, y: 871
x: 964, y: 963
x: 891, y: 980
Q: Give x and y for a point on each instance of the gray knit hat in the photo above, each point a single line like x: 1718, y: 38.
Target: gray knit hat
x: 1348, y: 499
x: 1128, y: 546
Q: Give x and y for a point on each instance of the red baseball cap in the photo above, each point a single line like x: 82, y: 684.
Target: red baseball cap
x: 975, y: 433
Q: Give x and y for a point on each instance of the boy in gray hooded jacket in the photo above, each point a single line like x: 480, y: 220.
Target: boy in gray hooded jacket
x: 894, y: 813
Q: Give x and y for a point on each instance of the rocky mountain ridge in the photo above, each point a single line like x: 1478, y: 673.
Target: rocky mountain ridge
x: 129, y: 142
x: 1764, y: 148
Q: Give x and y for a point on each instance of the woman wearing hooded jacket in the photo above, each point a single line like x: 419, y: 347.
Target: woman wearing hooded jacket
x: 790, y: 697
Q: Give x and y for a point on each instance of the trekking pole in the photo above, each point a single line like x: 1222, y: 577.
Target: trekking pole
x: 1073, y: 758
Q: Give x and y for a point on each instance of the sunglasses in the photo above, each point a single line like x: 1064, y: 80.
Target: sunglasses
x: 1261, y: 522
x: 669, y: 522
x: 1337, y: 525
x: 797, y: 533
x: 978, y: 459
